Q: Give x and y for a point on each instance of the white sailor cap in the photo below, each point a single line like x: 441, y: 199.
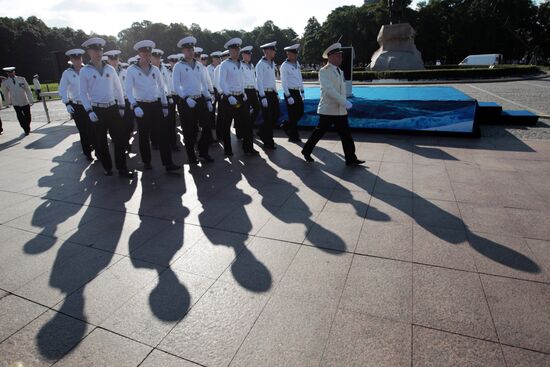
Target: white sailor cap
x: 332, y: 49
x: 225, y: 53
x: 9, y: 69
x: 294, y: 48
x: 133, y: 59
x: 69, y: 62
x: 247, y: 49
x: 112, y: 54
x: 157, y: 52
x: 233, y: 43
x: 216, y: 54
x: 35, y: 76
x: 198, y: 50
x: 187, y: 42
x: 104, y: 58
x: 145, y: 45
x: 124, y: 64
x: 204, y: 56
x: 95, y: 43
x: 173, y: 57
x: 180, y: 56
x: 270, y: 45
x: 75, y: 52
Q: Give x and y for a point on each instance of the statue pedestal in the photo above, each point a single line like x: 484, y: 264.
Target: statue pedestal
x: 397, y: 49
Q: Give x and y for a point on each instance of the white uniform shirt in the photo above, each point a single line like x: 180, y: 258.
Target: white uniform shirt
x: 265, y: 76
x: 167, y: 78
x: 210, y: 68
x: 122, y: 77
x: 333, y: 91
x: 217, y: 78
x: 69, y: 86
x: 100, y: 87
x: 291, y: 76
x: 144, y: 85
x: 231, y: 77
x: 249, y: 75
x: 208, y: 78
x: 36, y: 84
x: 189, y: 80
x: 16, y: 91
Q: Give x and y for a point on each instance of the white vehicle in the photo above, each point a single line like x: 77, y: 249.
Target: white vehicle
x: 487, y: 59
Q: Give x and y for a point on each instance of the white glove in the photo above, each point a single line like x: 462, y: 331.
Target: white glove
x: 165, y: 111
x: 93, y: 116
x: 191, y: 102
x: 348, y: 105
x: 210, y: 107
x: 232, y: 100
x: 121, y: 111
x: 138, y: 112
x: 245, y: 98
x: 70, y: 109
x: 290, y: 100
x: 170, y: 100
x: 264, y: 102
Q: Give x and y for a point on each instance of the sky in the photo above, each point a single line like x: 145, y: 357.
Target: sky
x: 111, y: 16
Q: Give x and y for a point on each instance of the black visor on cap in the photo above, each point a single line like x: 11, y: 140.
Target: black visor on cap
x: 246, y: 52
x: 113, y: 57
x: 270, y: 48
x: 336, y: 50
x: 188, y: 45
x: 75, y: 56
x: 145, y: 49
x: 95, y: 46
x: 235, y: 45
x: 294, y: 51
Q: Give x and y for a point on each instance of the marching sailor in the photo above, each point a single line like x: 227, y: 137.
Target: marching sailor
x: 293, y: 88
x: 267, y: 89
x: 17, y: 93
x: 249, y: 78
x: 102, y: 97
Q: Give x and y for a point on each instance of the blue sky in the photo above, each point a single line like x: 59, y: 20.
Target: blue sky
x: 111, y: 16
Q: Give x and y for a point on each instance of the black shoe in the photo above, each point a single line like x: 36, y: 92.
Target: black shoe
x: 228, y: 153
x: 172, y: 167
x: 176, y: 148
x: 207, y: 158
x: 307, y: 157
x: 194, y: 161
x: 88, y: 157
x: 251, y: 152
x: 147, y: 166
x: 27, y: 133
x: 356, y: 162
x: 284, y: 127
x: 127, y: 173
x: 270, y: 146
x: 108, y: 172
x: 295, y: 140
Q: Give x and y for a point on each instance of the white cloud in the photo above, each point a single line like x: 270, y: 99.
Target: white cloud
x: 110, y: 17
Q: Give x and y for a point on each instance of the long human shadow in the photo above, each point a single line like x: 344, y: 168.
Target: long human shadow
x: 495, y: 251
x: 247, y: 270
x: 76, y: 265
x: 169, y: 300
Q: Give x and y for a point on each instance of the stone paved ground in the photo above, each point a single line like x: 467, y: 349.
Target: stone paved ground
x: 437, y: 252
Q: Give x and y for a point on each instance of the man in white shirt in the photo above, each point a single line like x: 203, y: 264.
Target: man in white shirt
x: 113, y: 60
x: 234, y: 100
x: 167, y: 71
x: 333, y: 107
x: 293, y: 88
x: 216, y: 60
x: 147, y: 95
x: 37, y: 87
x: 223, y: 56
x: 267, y: 89
x: 102, y: 97
x: 249, y: 78
x: 195, y: 101
x: 69, y: 91
x: 17, y: 93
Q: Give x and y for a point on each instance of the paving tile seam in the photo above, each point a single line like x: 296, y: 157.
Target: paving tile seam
x: 506, y: 99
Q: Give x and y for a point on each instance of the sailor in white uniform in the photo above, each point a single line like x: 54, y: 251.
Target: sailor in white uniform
x: 293, y: 88
x: 17, y: 93
x: 37, y: 87
x: 195, y: 101
x: 233, y: 102
x: 333, y: 107
x: 249, y: 77
x: 166, y: 72
x: 147, y: 95
x: 216, y: 60
x: 102, y: 97
x: 69, y: 91
x: 267, y: 90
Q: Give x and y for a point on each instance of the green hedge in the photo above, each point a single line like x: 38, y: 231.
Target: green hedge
x: 448, y: 73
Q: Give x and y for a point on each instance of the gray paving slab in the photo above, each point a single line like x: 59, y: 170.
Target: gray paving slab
x: 335, y: 231
x: 508, y: 301
x: 288, y: 224
x: 525, y: 358
x: 216, y: 326
x: 383, y: 239
x: 379, y: 287
x: 15, y: 313
x: 390, y: 208
x: 358, y: 339
x: 159, y: 358
x: 288, y: 332
x: 541, y: 252
x: 44, y: 341
x: 433, y: 347
x: 489, y: 219
x: 451, y: 300
x: 103, y: 348
x: 150, y: 315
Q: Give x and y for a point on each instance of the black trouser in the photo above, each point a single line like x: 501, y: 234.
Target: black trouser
x: 111, y: 122
x: 295, y: 113
x: 342, y: 127
x: 128, y: 120
x: 85, y: 128
x: 216, y: 119
x: 153, y: 122
x: 172, y: 135
x: 271, y: 116
x: 193, y: 120
x: 24, y: 117
x: 239, y: 113
x: 38, y: 95
x: 1, y: 128
x: 254, y: 104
